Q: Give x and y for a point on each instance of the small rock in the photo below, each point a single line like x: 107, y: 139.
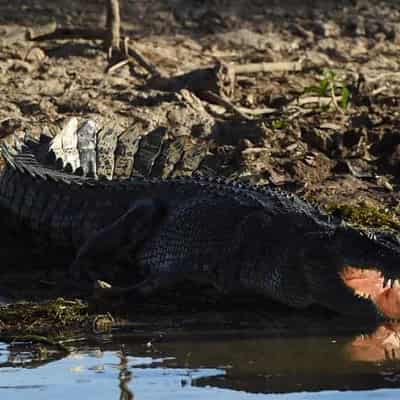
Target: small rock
x: 35, y: 55
x: 298, y: 30
x: 255, y: 153
x: 245, y: 144
x: 249, y: 100
x: 317, y: 138
x: 29, y: 107
x: 174, y: 116
x: 384, y: 182
x: 9, y: 126
x: 52, y: 87
x: 275, y: 177
x: 103, y: 323
x: 309, y: 159
x: 291, y: 147
x: 21, y: 66
x: 330, y: 29
x: 354, y: 26
x: 243, y: 38
x: 394, y: 158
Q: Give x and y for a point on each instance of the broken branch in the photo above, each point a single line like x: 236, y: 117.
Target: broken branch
x: 284, y: 66
x: 141, y: 60
x: 113, y: 26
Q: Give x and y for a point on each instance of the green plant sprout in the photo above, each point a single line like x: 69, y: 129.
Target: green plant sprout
x: 331, y: 86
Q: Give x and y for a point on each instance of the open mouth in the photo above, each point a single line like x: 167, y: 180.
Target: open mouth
x: 372, y: 285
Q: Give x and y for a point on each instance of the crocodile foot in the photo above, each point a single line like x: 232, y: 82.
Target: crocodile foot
x: 123, y: 236
x: 104, y: 289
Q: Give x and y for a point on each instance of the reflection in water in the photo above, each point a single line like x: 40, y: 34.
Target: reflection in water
x: 125, y: 376
x: 226, y: 365
x: 381, y: 345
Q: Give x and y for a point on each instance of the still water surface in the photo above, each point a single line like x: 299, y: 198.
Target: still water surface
x: 208, y: 365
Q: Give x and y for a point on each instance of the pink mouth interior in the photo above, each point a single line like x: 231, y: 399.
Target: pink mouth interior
x: 369, y: 283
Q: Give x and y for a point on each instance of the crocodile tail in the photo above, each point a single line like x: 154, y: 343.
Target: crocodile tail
x: 87, y: 149
x: 139, y: 150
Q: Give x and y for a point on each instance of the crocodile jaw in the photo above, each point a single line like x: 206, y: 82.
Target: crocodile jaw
x: 372, y: 285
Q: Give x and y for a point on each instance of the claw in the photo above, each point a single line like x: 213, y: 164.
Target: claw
x: 98, y: 284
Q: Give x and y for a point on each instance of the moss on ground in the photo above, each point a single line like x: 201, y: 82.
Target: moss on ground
x: 49, y: 318
x: 365, y: 215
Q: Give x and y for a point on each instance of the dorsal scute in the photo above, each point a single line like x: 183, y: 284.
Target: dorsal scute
x: 27, y: 158
x: 75, y: 146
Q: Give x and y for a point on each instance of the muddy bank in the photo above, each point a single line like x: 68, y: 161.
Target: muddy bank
x: 329, y: 131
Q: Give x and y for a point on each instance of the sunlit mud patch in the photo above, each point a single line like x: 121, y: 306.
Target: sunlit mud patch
x: 383, y: 344
x: 371, y: 284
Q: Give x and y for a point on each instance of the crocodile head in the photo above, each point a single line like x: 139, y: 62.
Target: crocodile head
x: 365, y: 279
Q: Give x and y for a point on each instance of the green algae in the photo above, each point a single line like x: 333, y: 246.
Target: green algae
x: 45, y: 327
x: 50, y: 318
x: 363, y: 215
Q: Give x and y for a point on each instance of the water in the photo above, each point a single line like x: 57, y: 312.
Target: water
x: 208, y: 365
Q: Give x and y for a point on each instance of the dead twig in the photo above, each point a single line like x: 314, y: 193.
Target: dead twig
x: 283, y: 66
x: 215, y: 98
x: 384, y: 76
x: 111, y: 35
x: 124, y: 46
x: 96, y: 34
x: 334, y: 101
x: 257, y: 111
x: 322, y: 101
x: 67, y: 33
x: 219, y: 79
x: 113, y: 26
x: 242, y: 112
x: 40, y: 31
x: 379, y: 90
x: 141, y: 60
x: 111, y: 68
x: 299, y: 112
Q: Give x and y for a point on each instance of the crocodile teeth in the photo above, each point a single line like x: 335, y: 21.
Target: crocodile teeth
x: 385, y: 281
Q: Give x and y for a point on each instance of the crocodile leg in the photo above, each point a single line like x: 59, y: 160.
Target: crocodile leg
x: 121, y: 237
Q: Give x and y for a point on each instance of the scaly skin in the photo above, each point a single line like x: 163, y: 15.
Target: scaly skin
x: 234, y: 236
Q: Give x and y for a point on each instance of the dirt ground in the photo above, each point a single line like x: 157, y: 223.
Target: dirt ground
x: 344, y: 147
x: 323, y: 150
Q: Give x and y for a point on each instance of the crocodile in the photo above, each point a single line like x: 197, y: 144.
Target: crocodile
x: 234, y: 236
